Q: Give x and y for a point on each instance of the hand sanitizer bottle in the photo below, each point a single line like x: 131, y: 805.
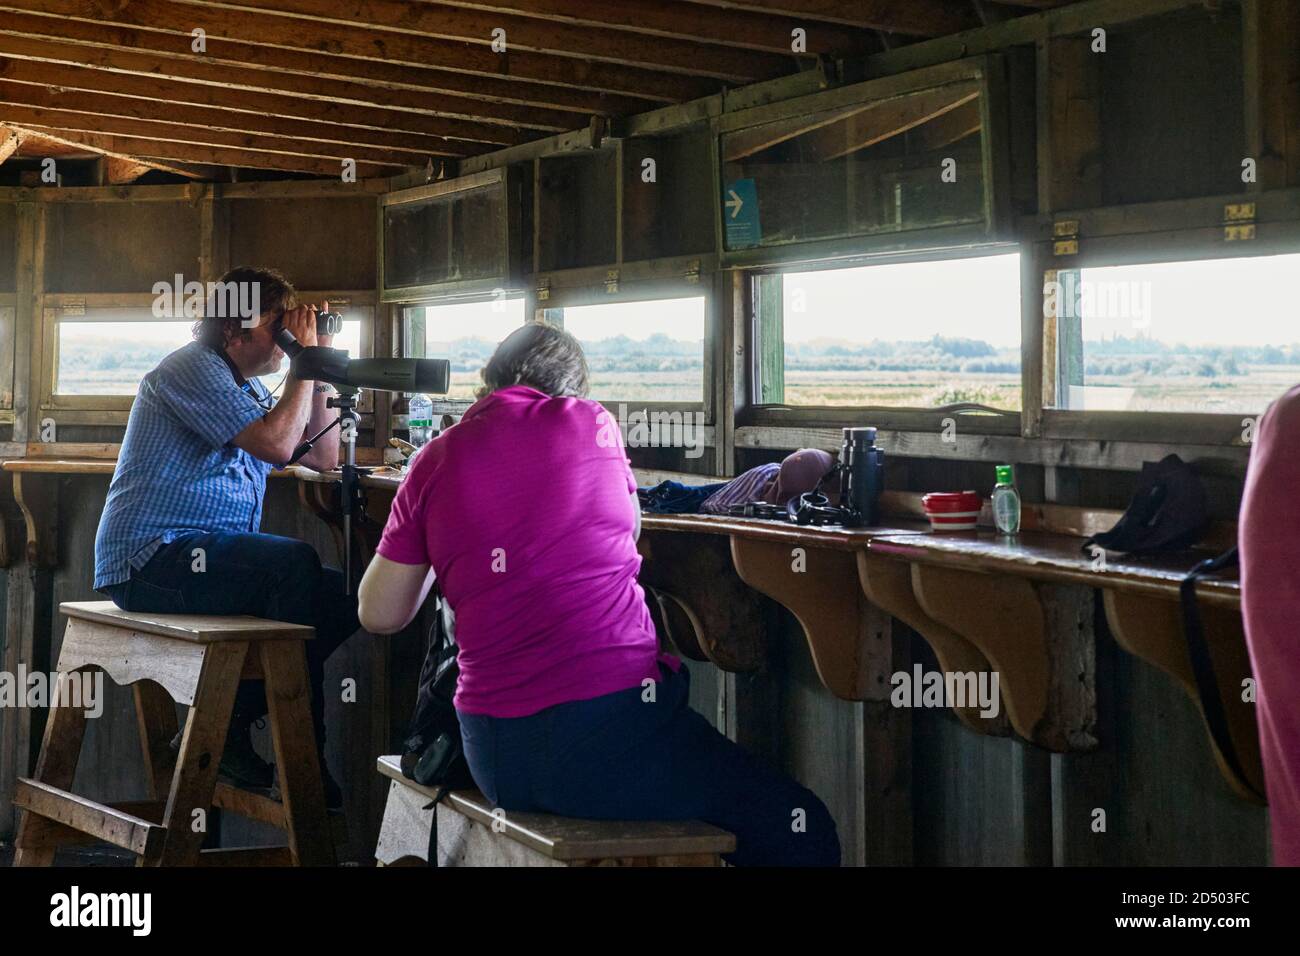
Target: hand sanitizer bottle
x: 1006, y: 501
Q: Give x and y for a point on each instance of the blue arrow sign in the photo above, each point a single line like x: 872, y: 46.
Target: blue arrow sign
x: 740, y: 214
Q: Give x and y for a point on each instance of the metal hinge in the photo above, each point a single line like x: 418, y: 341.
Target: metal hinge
x: 73, y: 307
x: 1065, y: 237
x: 693, y: 272
x: 543, y: 289
x: 611, y: 281
x: 1238, y: 222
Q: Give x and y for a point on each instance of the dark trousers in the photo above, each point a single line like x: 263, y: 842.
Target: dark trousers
x: 264, y: 575
x: 621, y: 757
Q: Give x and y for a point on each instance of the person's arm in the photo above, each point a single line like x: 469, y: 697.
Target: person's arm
x: 399, y: 577
x: 275, y: 435
x: 391, y: 594
x: 324, y: 455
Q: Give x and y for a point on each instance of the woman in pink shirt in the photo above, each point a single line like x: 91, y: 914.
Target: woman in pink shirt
x: 1268, y: 537
x: 526, y: 511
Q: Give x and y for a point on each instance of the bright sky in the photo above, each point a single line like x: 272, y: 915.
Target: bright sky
x: 957, y: 298
x: 1245, y: 301
x: 676, y: 318
x: 171, y: 333
x: 492, y: 320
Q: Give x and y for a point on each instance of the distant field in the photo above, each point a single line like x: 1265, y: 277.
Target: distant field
x: 918, y: 389
x: 676, y: 386
x: 1244, y: 394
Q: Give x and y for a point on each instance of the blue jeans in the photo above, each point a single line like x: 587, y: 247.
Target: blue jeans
x: 264, y: 575
x: 619, y: 757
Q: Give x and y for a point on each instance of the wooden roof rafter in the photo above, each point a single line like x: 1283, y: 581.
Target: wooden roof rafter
x: 97, y: 44
x: 163, y: 154
x: 310, y: 36
x: 392, y: 84
x: 698, y: 56
x: 477, y: 137
x: 36, y: 144
x: 743, y: 29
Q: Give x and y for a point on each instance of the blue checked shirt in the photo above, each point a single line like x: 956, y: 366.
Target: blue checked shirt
x: 177, y: 471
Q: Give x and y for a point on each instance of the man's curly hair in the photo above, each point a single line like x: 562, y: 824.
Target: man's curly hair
x: 218, y: 328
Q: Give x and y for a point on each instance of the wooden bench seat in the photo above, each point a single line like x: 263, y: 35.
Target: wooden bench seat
x: 472, y: 833
x: 197, y: 661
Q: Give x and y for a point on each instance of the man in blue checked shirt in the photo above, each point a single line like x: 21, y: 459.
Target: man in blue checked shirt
x: 179, y: 532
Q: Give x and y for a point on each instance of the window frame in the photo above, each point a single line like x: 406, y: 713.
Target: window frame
x: 649, y: 288
x: 510, y: 252
x: 115, y: 409
x: 891, y: 417
x: 441, y: 406
x: 985, y: 70
x: 1150, y: 233
x: 8, y: 356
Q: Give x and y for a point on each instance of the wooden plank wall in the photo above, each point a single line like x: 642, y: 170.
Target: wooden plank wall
x: 904, y: 786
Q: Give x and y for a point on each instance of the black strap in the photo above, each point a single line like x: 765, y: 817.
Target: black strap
x: 432, y: 858
x: 1198, y: 652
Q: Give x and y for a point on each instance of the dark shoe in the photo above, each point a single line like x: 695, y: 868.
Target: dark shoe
x: 240, y: 764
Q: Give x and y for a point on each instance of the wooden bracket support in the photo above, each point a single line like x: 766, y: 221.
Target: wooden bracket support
x: 1038, y: 639
x: 711, y: 614
x: 887, y: 583
x: 1152, y: 629
x: 849, y: 639
x: 38, y: 499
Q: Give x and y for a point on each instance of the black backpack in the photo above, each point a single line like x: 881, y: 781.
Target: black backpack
x: 1167, y: 511
x: 433, y: 754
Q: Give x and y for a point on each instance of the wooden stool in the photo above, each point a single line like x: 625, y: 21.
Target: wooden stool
x: 472, y: 833
x: 198, y: 661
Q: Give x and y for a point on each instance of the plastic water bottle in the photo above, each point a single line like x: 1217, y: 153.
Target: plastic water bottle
x: 419, y: 419
x: 1006, y: 501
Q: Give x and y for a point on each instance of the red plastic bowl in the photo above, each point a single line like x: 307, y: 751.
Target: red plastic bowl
x: 952, y: 510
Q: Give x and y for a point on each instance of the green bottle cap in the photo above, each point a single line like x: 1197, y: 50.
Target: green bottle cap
x: 1006, y: 475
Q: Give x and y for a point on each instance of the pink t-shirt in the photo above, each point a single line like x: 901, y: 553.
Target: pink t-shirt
x: 1269, y: 538
x: 525, y: 511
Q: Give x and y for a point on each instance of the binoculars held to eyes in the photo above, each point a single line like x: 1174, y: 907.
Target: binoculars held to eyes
x: 327, y: 323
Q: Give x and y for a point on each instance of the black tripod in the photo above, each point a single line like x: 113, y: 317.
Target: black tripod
x: 351, y: 500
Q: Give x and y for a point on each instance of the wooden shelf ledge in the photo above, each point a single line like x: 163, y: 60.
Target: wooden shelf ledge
x: 710, y: 612
x: 848, y: 637
x: 1152, y: 630
x: 1039, y: 640
x: 888, y: 585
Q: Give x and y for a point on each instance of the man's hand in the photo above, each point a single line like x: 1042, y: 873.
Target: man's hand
x: 325, y: 340
x: 301, y: 323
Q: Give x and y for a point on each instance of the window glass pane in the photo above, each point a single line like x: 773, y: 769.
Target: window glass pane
x: 446, y: 238
x: 904, y: 163
x: 6, y: 357
x: 110, y: 358
x: 350, y: 338
x: 1217, y: 335
x: 643, y: 351
x: 466, y: 333
x: 916, y: 334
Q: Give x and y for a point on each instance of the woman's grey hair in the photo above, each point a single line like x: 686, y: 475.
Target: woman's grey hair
x: 540, y: 355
